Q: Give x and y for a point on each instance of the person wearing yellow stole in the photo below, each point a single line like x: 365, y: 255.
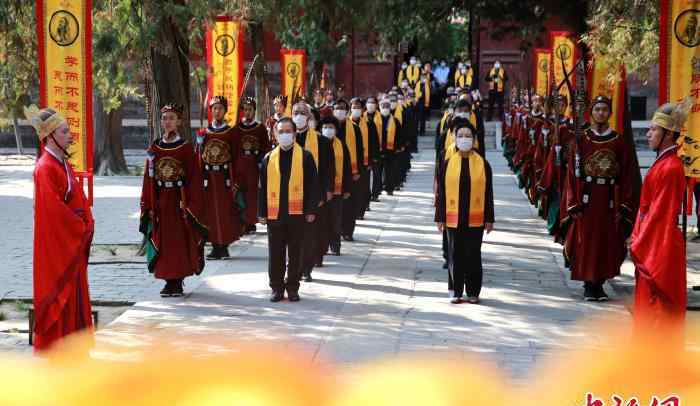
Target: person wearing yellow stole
x: 370, y: 156
x: 288, y: 199
x: 497, y: 79
x: 389, y: 148
x: 422, y: 92
x: 340, y: 180
x: 465, y: 208
x: 413, y: 72
x: 375, y: 121
x: 319, y: 147
x: 401, y: 76
x: 464, y: 76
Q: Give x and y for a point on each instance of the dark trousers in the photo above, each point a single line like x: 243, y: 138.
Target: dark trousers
x: 365, y: 193
x: 445, y: 246
x: 333, y: 224
x: 285, y: 238
x: 310, y: 250
x: 465, y: 260
x: 495, y: 98
x: 696, y: 194
x: 377, y: 173
x: 423, y: 115
x: 350, y: 208
x: 391, y: 171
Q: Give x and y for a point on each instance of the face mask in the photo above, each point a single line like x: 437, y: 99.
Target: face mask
x: 413, y: 61
x: 450, y: 111
x: 404, y: 66
x: 393, y: 105
x: 463, y: 70
x: 371, y: 107
x: 340, y: 114
x: 464, y: 143
x: 443, y: 64
x: 328, y: 133
x: 404, y: 84
x: 497, y: 66
x: 462, y: 114
x: 285, y: 139
x: 356, y: 113
x: 384, y: 111
x: 461, y: 65
x: 300, y: 121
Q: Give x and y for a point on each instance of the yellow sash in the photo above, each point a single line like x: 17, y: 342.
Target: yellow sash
x: 338, y: 154
x: 391, y: 135
x: 445, y: 115
x: 311, y: 144
x: 501, y: 74
x: 477, y: 191
x: 398, y: 113
x: 379, y: 125
x: 351, y: 142
x: 412, y: 74
x: 295, y: 195
x: 419, y: 92
x: 364, y: 131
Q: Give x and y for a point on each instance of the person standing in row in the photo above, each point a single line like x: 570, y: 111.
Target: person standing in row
x: 172, y: 206
x: 288, y: 200
x: 215, y: 147
x: 63, y: 231
x: 497, y: 79
x: 390, y: 141
x: 339, y: 186
x: 375, y: 119
x: 465, y: 207
x: 252, y: 143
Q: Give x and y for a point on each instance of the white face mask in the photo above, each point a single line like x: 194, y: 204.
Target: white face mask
x: 497, y: 65
x: 393, y: 105
x: 328, y: 133
x: 371, y: 107
x: 340, y: 114
x: 404, y: 66
x: 464, y: 143
x: 460, y: 65
x: 462, y: 114
x: 413, y: 61
x: 356, y: 113
x: 443, y: 64
x: 450, y: 111
x: 463, y: 70
x: 300, y: 121
x: 385, y: 111
x: 285, y: 139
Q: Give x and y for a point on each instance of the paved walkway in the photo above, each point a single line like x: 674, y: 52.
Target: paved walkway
x: 387, y: 294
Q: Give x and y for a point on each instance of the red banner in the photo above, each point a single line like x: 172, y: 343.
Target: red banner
x: 64, y: 38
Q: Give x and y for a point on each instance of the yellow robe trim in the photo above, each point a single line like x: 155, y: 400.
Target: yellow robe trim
x: 412, y: 74
x: 419, y: 93
x: 398, y: 113
x: 501, y: 75
x: 311, y: 144
x: 351, y: 142
x: 379, y: 125
x: 477, y: 193
x: 391, y: 135
x: 364, y: 131
x: 338, y: 154
x: 295, y: 197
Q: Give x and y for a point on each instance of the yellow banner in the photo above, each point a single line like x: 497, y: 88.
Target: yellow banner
x: 563, y: 52
x: 293, y: 68
x: 680, y: 71
x: 600, y: 84
x: 65, y: 70
x: 542, y: 58
x: 225, y: 59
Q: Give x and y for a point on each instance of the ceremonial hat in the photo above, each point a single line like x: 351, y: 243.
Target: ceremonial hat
x: 249, y: 101
x: 173, y: 108
x: 280, y: 99
x: 43, y: 126
x: 218, y: 100
x: 672, y: 116
x: 602, y: 100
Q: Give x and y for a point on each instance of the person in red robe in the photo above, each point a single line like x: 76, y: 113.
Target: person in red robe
x: 215, y: 147
x: 657, y: 244
x: 280, y: 106
x: 252, y: 143
x: 599, y: 199
x: 172, y: 205
x: 63, y: 230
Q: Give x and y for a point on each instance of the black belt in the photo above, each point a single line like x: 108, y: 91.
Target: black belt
x: 250, y: 152
x: 216, y: 168
x: 599, y: 180
x: 169, y: 184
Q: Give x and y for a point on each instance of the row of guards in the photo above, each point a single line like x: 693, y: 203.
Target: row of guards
x: 555, y: 69
x: 64, y: 37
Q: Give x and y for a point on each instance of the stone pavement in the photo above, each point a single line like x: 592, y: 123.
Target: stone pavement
x: 386, y: 296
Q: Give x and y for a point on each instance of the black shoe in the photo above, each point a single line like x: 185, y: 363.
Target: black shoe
x: 375, y: 198
x: 308, y: 278
x: 390, y: 193
x: 293, y: 296
x: 589, y: 293
x: 600, y: 294
x: 215, y: 253
x: 167, y: 290
x: 445, y: 265
x: 177, y: 288
x: 224, y: 253
x: 348, y: 238
x: 251, y: 229
x: 319, y: 264
x: 277, y: 296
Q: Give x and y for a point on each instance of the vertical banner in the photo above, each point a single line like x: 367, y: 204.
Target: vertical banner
x: 64, y: 37
x: 293, y: 69
x: 541, y: 69
x: 679, y: 74
x: 225, y: 60
x: 600, y: 84
x: 564, y: 54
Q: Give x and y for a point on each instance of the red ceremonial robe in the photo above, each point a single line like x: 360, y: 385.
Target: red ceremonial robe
x: 171, y: 206
x: 63, y: 230
x: 223, y: 217
x: 658, y: 247
x: 252, y: 143
x: 595, y: 242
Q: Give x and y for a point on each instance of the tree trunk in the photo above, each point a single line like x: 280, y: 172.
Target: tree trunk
x: 18, y: 136
x: 109, y: 150
x: 171, y: 71
x: 257, y: 40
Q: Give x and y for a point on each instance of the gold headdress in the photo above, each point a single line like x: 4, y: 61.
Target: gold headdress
x: 43, y: 127
x: 672, y: 116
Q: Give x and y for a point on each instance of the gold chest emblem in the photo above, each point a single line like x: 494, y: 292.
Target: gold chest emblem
x: 169, y: 169
x: 602, y: 163
x: 216, y: 152
x: 249, y: 142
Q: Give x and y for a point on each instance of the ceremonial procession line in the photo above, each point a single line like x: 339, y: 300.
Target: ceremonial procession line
x: 386, y: 295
